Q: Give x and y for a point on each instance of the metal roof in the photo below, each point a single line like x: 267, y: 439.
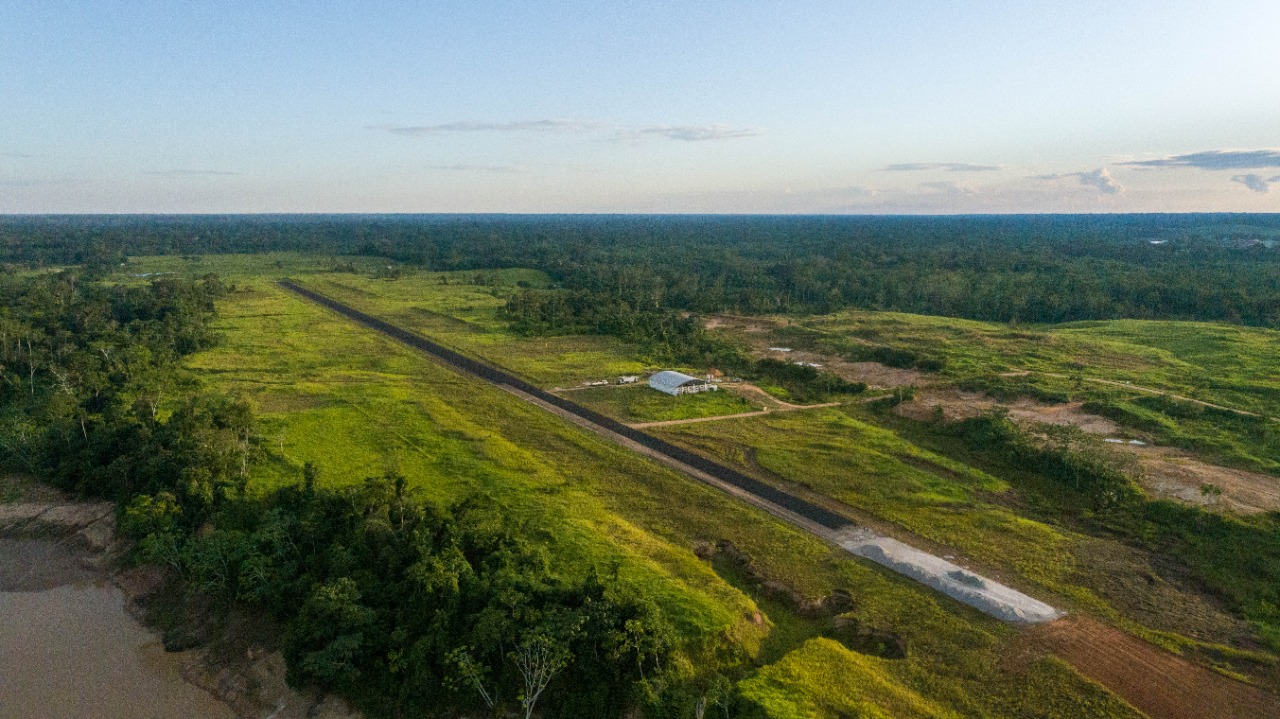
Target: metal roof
x: 668, y: 380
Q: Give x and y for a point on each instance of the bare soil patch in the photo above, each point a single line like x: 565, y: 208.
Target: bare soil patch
x: 874, y: 374
x: 1173, y: 474
x: 751, y: 325
x: 958, y: 405
x: 1167, y: 473
x: 1157, y: 682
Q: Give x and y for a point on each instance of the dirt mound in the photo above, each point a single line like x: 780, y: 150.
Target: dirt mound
x: 1155, y: 681
x: 833, y: 610
x: 877, y: 375
x: 751, y: 325
x: 256, y: 687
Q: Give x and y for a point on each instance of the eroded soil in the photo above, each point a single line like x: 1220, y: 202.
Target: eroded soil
x: 1159, y: 683
x: 1167, y: 473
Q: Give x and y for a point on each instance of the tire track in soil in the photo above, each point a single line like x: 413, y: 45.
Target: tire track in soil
x: 1152, y: 680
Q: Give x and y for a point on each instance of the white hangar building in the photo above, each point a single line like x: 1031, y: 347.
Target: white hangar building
x: 678, y: 383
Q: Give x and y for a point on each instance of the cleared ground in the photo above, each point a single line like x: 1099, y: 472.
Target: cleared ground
x: 1153, y: 680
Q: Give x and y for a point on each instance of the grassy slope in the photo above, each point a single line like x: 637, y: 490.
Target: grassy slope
x: 357, y: 405
x: 468, y: 316
x: 1225, y: 364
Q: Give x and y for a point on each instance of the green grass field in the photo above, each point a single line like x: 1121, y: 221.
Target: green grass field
x: 357, y: 405
x: 639, y: 403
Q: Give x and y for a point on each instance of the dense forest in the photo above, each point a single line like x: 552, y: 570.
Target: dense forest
x: 1001, y: 268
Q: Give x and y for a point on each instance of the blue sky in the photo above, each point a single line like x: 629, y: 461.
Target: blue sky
x: 844, y: 107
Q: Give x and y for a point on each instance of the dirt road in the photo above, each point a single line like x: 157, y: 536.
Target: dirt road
x: 1145, y: 390
x: 1157, y: 682
x: 740, y: 415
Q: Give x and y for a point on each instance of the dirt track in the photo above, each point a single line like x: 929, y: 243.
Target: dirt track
x: 1146, y: 390
x: 1155, y: 681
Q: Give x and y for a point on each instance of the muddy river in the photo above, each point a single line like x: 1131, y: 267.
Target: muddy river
x: 70, y: 650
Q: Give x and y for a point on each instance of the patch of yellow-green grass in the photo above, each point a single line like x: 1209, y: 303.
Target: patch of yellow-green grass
x: 641, y: 403
x: 232, y: 267
x: 1051, y: 689
x: 451, y: 309
x: 1228, y: 364
x: 823, y: 679
x: 1116, y: 366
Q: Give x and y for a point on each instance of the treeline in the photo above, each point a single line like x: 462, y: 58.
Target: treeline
x: 1038, y: 269
x: 93, y: 397
x: 409, y: 609
x: 666, y: 336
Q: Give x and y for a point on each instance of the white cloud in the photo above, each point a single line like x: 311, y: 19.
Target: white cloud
x: 684, y: 133
x: 190, y: 173
x: 1217, y: 160
x: 1099, y: 179
x: 947, y: 166
x: 553, y: 126
x: 698, y: 133
x: 465, y: 167
x: 949, y: 188
x: 1256, y: 182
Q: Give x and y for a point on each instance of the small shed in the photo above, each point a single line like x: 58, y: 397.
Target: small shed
x: 678, y: 383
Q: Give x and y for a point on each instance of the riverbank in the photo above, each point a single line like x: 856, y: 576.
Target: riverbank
x: 74, y: 643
